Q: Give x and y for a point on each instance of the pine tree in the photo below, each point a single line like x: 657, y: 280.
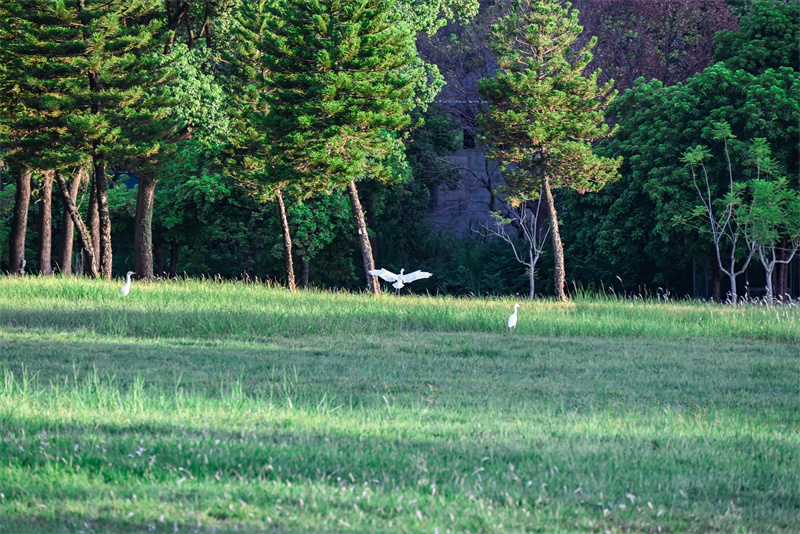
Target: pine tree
x: 14, y: 115
x: 89, y: 69
x: 543, y: 113
x: 342, y: 77
x: 252, y: 159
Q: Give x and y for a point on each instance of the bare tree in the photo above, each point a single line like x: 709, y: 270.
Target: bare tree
x: 727, y: 230
x: 525, y: 220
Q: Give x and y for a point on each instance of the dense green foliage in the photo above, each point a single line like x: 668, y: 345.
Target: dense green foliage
x: 768, y: 38
x: 629, y: 231
x: 209, y: 218
x: 543, y: 112
x: 340, y: 77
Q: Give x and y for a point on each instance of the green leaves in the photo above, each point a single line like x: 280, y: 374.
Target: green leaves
x: 696, y: 155
x: 721, y: 130
x: 543, y: 112
x: 340, y: 76
x: 89, y: 75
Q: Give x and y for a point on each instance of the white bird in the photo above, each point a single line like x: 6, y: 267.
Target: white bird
x: 401, y: 279
x: 512, y: 320
x: 127, y: 287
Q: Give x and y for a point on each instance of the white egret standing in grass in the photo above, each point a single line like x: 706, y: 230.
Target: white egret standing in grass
x: 127, y: 287
x: 512, y: 320
x: 401, y: 279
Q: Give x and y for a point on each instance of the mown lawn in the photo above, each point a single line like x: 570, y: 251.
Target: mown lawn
x: 200, y: 406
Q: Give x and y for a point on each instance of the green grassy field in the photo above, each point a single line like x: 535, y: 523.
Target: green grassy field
x: 201, y: 407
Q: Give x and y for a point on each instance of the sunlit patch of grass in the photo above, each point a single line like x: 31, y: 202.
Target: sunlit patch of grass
x: 249, y: 311
x: 220, y: 407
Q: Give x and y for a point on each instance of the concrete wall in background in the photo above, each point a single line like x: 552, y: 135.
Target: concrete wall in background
x: 466, y: 206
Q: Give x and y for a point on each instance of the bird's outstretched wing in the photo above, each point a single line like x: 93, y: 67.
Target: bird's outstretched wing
x: 416, y: 275
x: 386, y: 275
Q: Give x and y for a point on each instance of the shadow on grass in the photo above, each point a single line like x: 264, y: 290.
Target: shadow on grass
x: 462, y: 373
x: 265, y: 467
x: 239, y: 323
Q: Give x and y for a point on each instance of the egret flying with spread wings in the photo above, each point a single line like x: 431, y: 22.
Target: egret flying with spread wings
x: 401, y: 279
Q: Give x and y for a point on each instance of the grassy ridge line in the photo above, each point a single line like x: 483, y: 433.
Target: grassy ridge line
x: 253, y: 312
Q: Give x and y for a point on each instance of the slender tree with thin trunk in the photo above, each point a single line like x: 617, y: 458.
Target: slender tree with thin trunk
x: 543, y: 112
x: 253, y: 140
x: 530, y: 231
x: 721, y: 216
x: 342, y: 78
x: 45, y: 256
x: 83, y: 233
x: 91, y: 262
x: 336, y: 132
x: 67, y: 225
x: 287, y: 242
x: 363, y: 238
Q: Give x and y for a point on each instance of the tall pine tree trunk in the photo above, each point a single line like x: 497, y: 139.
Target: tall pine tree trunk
x: 555, y: 237
x: 287, y: 243
x: 83, y: 234
x: 19, y: 226
x: 106, y: 255
x: 93, y: 227
x: 363, y: 238
x: 68, y: 233
x: 143, y: 229
x: 45, y: 256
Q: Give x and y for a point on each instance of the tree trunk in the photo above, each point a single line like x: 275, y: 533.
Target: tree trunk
x: 782, y: 275
x: 93, y: 227
x: 83, y: 234
x: 45, y: 257
x: 555, y: 237
x: 143, y: 229
x: 768, y: 288
x: 19, y: 227
x: 174, y: 251
x: 106, y: 254
x: 305, y: 271
x: 530, y: 274
x: 68, y: 227
x: 287, y: 244
x: 363, y: 239
x: 734, y: 294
